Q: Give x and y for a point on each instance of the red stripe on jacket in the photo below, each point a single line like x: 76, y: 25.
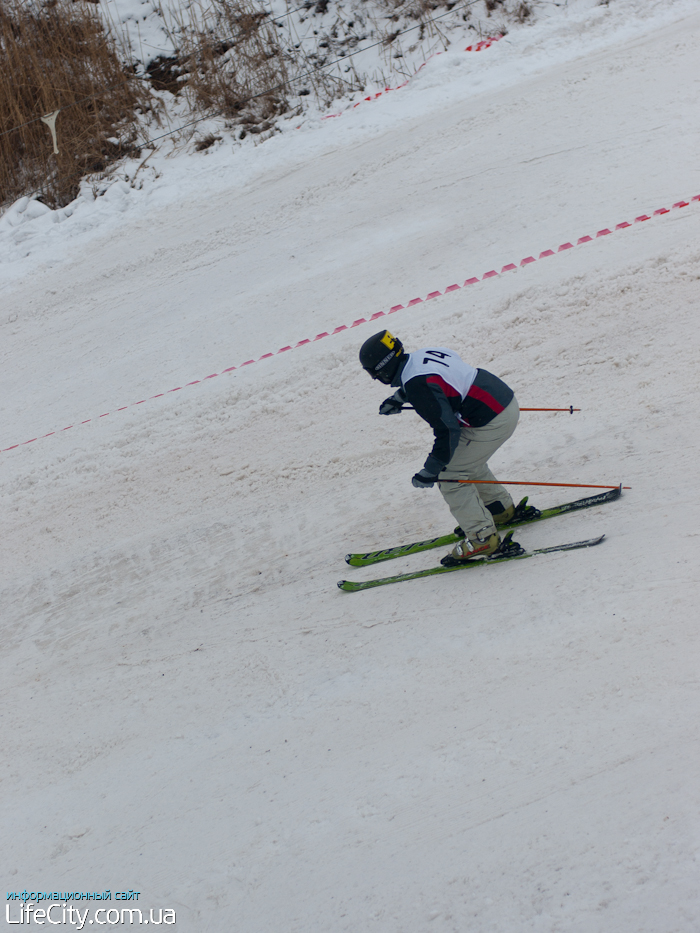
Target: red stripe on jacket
x: 449, y: 390
x: 481, y: 395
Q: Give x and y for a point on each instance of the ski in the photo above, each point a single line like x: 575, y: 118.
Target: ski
x: 351, y: 586
x: 375, y: 557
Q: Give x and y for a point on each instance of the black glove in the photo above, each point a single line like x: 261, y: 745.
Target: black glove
x: 424, y: 480
x: 391, y: 406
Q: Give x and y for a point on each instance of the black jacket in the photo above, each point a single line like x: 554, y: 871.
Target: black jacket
x: 442, y: 406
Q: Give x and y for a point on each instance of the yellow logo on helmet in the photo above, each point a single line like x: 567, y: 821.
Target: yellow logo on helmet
x: 388, y: 340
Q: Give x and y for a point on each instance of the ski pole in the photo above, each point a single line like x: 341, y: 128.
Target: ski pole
x: 570, y: 409
x: 516, y: 482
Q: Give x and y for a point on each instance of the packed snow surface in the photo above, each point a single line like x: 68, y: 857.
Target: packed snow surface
x: 191, y: 708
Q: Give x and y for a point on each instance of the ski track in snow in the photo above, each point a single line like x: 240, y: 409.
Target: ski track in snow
x: 190, y: 707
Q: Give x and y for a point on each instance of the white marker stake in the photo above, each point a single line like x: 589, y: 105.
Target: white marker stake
x: 50, y: 121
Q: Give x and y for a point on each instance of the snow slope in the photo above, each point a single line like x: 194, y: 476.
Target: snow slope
x: 190, y: 707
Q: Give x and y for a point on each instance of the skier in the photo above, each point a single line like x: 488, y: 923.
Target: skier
x: 472, y: 413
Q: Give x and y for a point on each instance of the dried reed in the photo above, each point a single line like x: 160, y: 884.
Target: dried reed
x: 59, y: 57
x: 237, y: 63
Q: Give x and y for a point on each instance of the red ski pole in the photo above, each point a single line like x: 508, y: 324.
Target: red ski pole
x: 570, y: 409
x: 516, y: 482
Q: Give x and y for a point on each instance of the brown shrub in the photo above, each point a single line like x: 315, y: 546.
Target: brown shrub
x: 233, y: 61
x: 522, y: 11
x: 59, y: 57
x: 237, y: 64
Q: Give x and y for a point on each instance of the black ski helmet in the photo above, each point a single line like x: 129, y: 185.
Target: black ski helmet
x: 381, y: 356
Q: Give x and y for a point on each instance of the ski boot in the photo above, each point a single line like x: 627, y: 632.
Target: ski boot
x: 501, y: 515
x: 476, y: 549
x: 513, y: 515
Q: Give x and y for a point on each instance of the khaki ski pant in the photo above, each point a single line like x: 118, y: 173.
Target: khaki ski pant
x: 468, y: 502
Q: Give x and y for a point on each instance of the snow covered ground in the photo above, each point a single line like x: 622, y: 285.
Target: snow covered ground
x: 191, y: 708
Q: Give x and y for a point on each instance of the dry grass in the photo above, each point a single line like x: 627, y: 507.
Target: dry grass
x: 236, y: 62
x: 59, y: 57
x: 232, y: 59
x: 522, y: 12
x: 417, y: 9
